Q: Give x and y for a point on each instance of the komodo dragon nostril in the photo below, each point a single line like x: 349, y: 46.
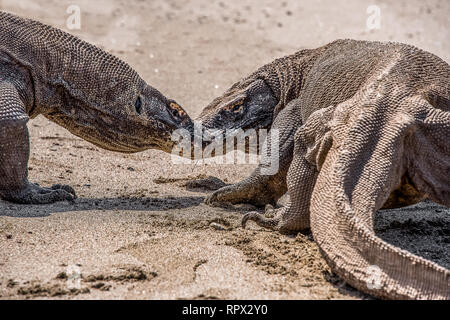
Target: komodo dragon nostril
x: 177, y: 111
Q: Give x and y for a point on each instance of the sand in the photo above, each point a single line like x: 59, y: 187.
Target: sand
x: 139, y: 229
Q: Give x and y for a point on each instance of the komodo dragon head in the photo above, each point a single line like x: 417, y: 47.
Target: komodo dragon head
x: 255, y: 101
x: 151, y: 120
x: 248, y: 104
x: 121, y: 113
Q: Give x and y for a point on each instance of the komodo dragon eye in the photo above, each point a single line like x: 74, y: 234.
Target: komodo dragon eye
x: 236, y: 107
x: 138, y: 105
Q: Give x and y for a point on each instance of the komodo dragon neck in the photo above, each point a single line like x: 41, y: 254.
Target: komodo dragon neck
x: 285, y: 76
x: 263, y: 94
x: 295, y: 76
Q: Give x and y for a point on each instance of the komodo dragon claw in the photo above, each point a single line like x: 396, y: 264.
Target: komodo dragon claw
x: 260, y: 220
x: 270, y: 220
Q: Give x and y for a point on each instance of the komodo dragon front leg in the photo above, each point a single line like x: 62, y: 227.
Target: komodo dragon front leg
x: 14, y: 154
x: 301, y: 176
x: 259, y: 188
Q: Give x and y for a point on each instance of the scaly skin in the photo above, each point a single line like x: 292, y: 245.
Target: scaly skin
x: 375, y: 127
x: 91, y: 93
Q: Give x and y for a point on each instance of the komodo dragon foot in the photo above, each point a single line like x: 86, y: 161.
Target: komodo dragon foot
x: 270, y: 220
x: 14, y: 154
x: 251, y: 190
x: 260, y: 189
x: 32, y: 193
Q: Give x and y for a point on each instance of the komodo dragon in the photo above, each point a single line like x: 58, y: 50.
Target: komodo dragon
x: 363, y: 125
x: 91, y: 93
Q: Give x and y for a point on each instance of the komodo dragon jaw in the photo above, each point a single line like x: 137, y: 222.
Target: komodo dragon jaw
x: 88, y: 91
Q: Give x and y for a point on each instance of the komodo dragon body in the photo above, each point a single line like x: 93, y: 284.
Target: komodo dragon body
x: 91, y: 93
x: 362, y: 125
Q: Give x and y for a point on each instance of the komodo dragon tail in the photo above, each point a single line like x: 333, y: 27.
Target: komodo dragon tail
x: 359, y: 172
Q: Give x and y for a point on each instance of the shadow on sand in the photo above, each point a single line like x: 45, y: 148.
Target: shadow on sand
x: 8, y: 209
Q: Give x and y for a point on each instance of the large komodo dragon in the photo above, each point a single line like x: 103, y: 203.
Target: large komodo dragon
x: 91, y: 93
x: 362, y: 125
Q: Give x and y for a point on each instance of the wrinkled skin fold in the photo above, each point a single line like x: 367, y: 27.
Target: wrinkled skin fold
x: 356, y: 180
x: 358, y: 166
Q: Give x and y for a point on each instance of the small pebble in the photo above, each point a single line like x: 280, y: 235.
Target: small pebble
x: 217, y: 226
